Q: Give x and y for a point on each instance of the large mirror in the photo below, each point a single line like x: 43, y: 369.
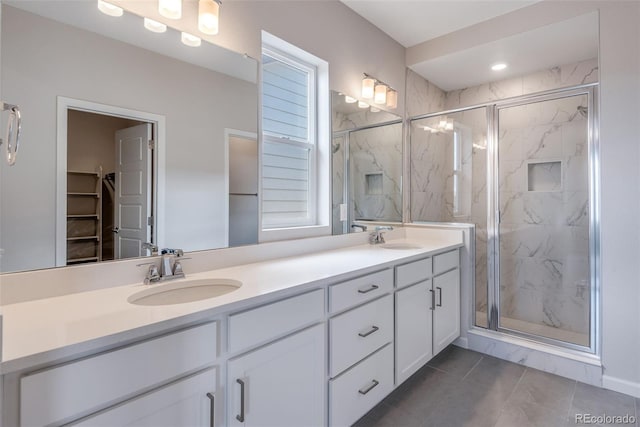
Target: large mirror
x: 367, y: 165
x: 127, y: 139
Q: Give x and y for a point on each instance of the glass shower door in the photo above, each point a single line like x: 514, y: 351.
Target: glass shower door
x: 543, y: 225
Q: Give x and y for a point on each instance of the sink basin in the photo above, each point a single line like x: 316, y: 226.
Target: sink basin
x: 400, y: 246
x: 184, y: 291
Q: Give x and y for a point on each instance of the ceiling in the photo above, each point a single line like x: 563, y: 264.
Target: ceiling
x: 414, y: 22
x: 411, y: 22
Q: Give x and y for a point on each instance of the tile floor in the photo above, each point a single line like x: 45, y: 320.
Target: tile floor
x: 464, y: 388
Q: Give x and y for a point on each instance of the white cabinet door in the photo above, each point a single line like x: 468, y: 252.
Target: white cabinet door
x: 446, y: 317
x: 185, y: 403
x: 281, y: 384
x: 413, y: 329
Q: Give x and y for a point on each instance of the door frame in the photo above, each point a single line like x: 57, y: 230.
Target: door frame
x: 158, y: 176
x: 228, y: 133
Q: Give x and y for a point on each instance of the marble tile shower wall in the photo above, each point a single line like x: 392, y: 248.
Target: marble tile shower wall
x: 376, y: 153
x: 566, y: 306
x: 376, y: 157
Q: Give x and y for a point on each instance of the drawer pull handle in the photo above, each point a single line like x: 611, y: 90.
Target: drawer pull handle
x: 368, y: 388
x: 439, y: 297
x: 241, y: 416
x: 369, y: 332
x: 212, y: 415
x: 366, y: 291
x: 433, y: 300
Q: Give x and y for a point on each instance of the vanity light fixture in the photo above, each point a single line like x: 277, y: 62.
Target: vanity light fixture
x: 171, y: 9
x: 392, y: 98
x: 362, y: 104
x: 109, y: 9
x: 379, y: 91
x: 381, y: 94
x: 349, y: 100
x: 208, y: 16
x: 154, y: 26
x: 190, y: 40
x: 368, y: 84
x: 499, y: 66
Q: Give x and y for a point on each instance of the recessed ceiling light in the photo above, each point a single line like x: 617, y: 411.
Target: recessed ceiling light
x: 499, y: 66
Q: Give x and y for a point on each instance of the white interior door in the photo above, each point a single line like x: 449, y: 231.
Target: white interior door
x: 133, y: 191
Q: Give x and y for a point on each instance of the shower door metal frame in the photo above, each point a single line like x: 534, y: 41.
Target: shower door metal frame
x: 493, y: 220
x: 493, y: 210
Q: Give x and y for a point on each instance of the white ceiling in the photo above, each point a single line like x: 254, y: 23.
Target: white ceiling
x: 411, y: 22
x: 414, y: 22
x: 560, y: 43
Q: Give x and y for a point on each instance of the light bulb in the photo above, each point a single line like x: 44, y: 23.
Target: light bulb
x: 190, y: 40
x: 499, y: 66
x: 349, y: 100
x: 381, y: 94
x: 109, y: 9
x: 155, y: 26
x: 367, y: 87
x: 171, y: 9
x: 208, y: 16
x: 363, y: 104
x: 392, y: 99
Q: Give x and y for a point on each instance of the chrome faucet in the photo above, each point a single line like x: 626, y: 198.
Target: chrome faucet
x: 167, y: 271
x: 376, y: 237
x: 360, y: 226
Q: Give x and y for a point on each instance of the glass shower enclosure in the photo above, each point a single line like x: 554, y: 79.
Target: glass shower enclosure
x: 524, y: 171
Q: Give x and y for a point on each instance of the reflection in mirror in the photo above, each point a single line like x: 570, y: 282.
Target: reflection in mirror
x: 94, y: 91
x: 367, y: 165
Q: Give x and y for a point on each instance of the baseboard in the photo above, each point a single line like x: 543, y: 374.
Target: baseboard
x: 623, y: 386
x: 462, y: 342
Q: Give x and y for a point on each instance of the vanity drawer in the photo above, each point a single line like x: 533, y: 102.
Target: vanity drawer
x: 263, y: 324
x: 413, y: 272
x: 353, y: 292
x: 361, y: 388
x: 359, y: 332
x: 78, y: 388
x: 446, y: 261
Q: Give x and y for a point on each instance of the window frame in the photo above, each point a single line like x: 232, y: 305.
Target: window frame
x: 311, y: 142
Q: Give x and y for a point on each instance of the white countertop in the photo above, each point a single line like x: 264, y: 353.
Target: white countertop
x: 52, y: 329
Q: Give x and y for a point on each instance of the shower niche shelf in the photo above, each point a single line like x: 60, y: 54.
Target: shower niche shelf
x: 544, y: 176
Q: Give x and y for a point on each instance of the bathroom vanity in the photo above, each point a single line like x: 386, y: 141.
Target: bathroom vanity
x: 313, y: 339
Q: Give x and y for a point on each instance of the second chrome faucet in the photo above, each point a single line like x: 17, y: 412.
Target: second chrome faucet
x: 168, y: 270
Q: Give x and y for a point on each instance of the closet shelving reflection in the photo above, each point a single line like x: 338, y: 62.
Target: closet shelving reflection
x: 84, y: 216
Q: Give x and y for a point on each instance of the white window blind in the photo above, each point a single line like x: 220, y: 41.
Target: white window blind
x: 288, y: 150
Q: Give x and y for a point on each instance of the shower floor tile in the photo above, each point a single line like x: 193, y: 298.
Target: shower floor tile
x: 460, y: 388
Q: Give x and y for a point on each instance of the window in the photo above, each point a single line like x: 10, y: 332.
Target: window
x: 293, y: 160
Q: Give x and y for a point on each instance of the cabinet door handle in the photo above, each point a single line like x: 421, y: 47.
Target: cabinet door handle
x: 433, y: 300
x: 241, y: 416
x: 212, y: 414
x: 368, y: 388
x: 365, y: 291
x: 369, y: 332
x: 439, y: 297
